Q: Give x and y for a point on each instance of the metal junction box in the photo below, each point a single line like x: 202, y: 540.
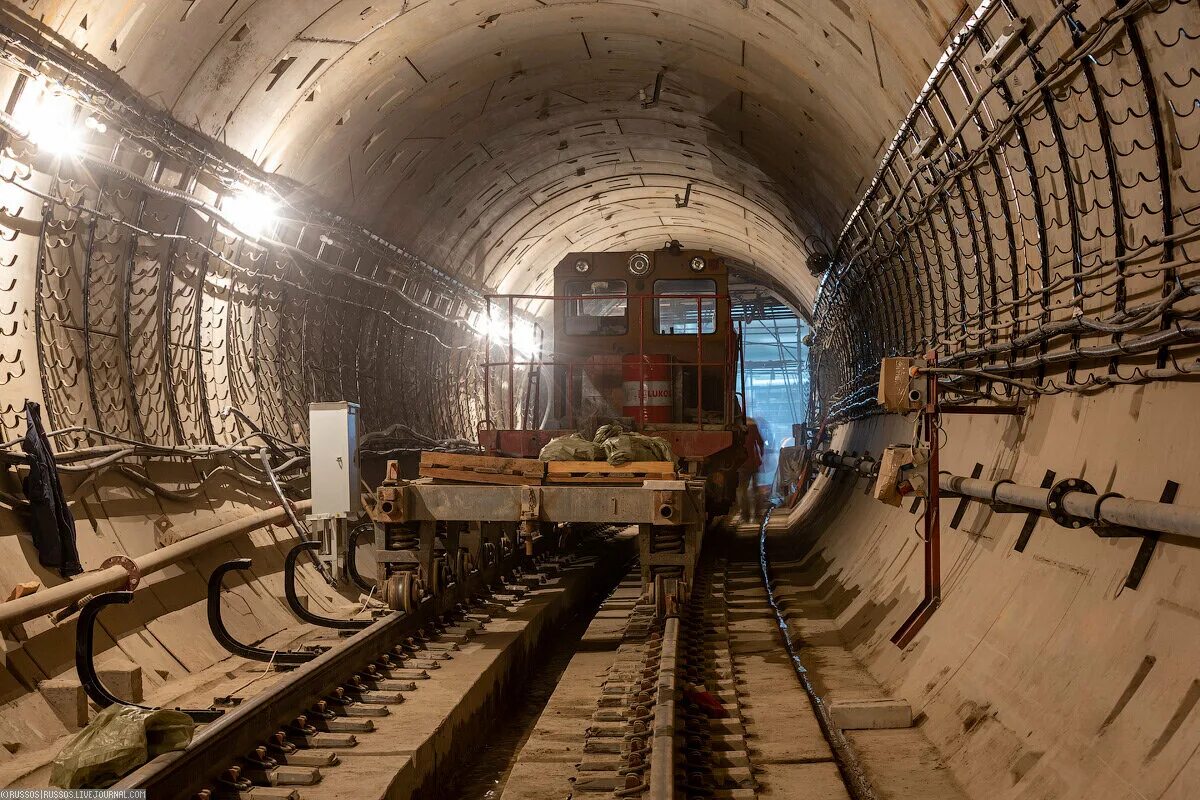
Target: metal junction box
x: 333, y: 441
x: 899, y: 391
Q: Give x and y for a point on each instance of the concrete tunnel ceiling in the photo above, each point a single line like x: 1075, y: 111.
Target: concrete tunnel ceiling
x: 493, y: 137
x: 1030, y: 214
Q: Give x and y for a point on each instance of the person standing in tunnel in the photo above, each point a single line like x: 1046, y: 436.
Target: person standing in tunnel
x: 748, y: 473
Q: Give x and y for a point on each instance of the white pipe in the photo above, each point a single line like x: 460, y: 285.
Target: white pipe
x: 45, y: 601
x: 1142, y: 514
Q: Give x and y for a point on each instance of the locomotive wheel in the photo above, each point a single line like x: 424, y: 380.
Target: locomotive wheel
x: 403, y: 591
x: 411, y: 589
x: 400, y: 593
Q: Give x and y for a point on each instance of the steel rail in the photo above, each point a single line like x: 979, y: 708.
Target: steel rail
x: 662, y: 742
x: 184, y: 772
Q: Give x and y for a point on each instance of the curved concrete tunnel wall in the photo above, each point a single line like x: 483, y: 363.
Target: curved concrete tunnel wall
x: 489, y: 138
x: 1040, y: 674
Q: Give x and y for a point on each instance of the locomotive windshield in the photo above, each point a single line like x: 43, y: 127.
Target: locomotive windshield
x: 599, y: 308
x: 677, y: 315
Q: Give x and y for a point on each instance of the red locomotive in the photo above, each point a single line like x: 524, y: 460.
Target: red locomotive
x: 643, y: 338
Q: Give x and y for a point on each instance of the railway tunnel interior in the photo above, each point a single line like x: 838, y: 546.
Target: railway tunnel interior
x: 214, y: 213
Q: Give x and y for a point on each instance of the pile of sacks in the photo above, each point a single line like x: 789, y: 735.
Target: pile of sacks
x: 612, y: 443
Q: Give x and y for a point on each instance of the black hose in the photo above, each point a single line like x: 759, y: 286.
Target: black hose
x: 853, y: 775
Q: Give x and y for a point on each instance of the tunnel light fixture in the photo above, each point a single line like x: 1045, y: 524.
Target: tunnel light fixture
x: 250, y: 211
x: 1004, y: 44
x: 49, y: 116
x: 524, y: 338
x: 524, y: 333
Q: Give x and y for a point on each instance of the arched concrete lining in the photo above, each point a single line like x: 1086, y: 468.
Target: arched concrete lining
x: 300, y: 86
x: 1027, y: 679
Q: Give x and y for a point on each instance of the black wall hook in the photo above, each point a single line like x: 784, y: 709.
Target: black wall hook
x: 221, y: 633
x: 85, y: 634
x: 289, y: 590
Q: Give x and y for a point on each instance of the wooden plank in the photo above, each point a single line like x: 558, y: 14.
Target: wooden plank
x: 465, y: 468
x: 466, y: 476
x: 483, y: 463
x: 595, y: 472
x: 603, y: 467
x: 596, y: 480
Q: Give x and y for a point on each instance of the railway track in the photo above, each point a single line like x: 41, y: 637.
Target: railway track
x: 696, y: 705
x: 668, y: 723
x: 690, y: 703
x: 294, y: 739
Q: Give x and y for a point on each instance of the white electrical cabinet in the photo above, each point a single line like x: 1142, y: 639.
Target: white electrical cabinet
x: 333, y: 446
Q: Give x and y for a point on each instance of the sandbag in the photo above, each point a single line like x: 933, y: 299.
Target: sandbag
x: 117, y: 741
x: 571, y: 447
x: 621, y: 447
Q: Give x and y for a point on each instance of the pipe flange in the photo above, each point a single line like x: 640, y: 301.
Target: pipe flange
x: 129, y: 565
x: 1054, y: 501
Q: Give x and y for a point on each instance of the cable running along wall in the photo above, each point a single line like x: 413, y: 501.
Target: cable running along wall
x: 1035, y: 217
x: 150, y: 315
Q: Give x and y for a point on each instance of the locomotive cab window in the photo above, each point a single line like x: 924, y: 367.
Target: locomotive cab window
x: 678, y: 315
x: 599, y: 308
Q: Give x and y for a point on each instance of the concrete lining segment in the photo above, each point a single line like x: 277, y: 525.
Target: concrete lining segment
x: 378, y: 113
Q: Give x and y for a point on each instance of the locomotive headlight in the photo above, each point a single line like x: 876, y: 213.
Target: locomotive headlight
x: 582, y: 266
x: 697, y: 264
x: 639, y: 264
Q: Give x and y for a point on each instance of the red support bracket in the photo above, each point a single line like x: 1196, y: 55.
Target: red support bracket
x: 933, y: 536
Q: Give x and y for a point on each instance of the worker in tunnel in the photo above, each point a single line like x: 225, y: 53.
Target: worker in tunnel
x: 747, y: 491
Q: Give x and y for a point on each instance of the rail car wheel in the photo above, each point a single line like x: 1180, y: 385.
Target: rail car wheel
x: 402, y: 592
x: 466, y: 564
x: 443, y: 576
